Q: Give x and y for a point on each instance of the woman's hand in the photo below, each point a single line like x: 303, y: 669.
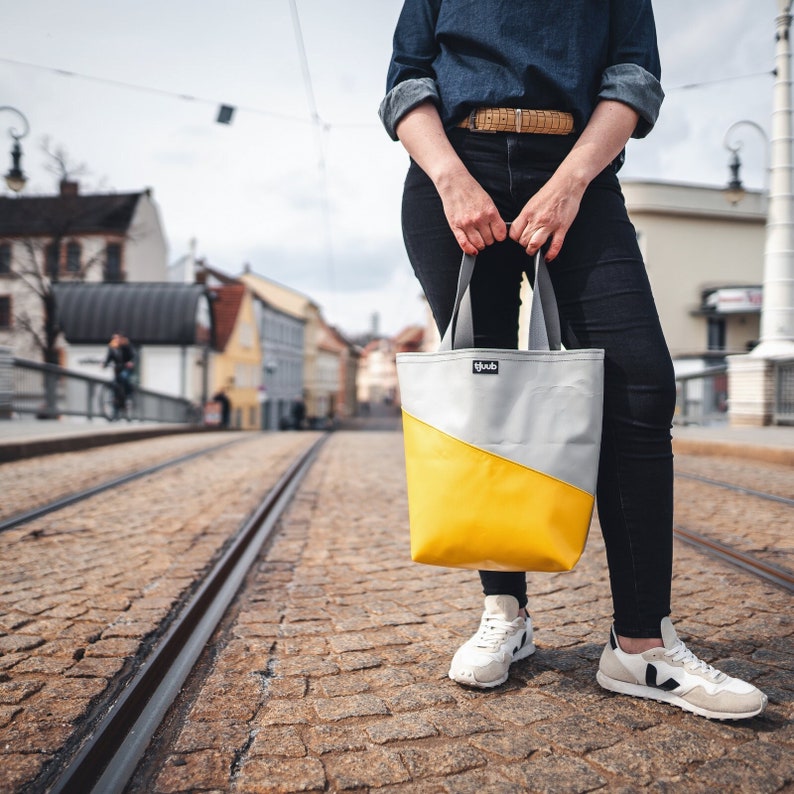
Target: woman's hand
x: 548, y: 215
x: 470, y: 212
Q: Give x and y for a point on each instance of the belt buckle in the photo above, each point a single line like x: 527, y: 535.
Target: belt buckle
x: 474, y: 128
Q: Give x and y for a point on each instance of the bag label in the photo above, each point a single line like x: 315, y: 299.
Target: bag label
x: 483, y: 367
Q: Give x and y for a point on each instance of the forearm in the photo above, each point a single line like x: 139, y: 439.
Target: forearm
x: 548, y: 215
x: 602, y: 140
x: 470, y: 211
x: 422, y: 134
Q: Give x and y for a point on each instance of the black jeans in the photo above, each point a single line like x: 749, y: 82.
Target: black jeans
x: 605, y: 301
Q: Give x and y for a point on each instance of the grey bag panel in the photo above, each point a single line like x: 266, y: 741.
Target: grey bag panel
x: 542, y: 410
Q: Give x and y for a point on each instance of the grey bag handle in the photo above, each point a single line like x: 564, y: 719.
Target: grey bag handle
x: 544, y: 318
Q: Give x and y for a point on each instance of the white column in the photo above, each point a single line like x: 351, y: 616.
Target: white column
x: 777, y: 315
x: 751, y: 378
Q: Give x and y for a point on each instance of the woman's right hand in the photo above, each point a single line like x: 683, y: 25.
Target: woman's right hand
x: 470, y: 211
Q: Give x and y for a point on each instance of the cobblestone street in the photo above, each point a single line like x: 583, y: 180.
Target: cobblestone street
x: 332, y: 673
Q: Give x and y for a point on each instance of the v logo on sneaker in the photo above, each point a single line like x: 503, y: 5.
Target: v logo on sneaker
x: 650, y: 679
x: 520, y: 644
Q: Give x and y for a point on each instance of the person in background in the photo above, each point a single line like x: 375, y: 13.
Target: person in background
x: 226, y: 407
x: 121, y: 356
x: 518, y: 112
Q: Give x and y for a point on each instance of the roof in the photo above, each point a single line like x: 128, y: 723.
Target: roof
x: 286, y: 299
x: 225, y: 308
x: 67, y: 215
x: 147, y: 313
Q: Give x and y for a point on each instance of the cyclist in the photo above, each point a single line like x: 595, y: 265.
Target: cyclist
x: 121, y: 355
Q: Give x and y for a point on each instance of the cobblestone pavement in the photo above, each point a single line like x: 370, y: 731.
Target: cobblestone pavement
x: 83, y: 590
x: 748, y: 523
x: 33, y: 482
x: 331, y: 674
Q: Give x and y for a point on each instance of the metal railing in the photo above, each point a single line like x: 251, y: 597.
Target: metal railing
x: 702, y: 397
x: 784, y: 392
x: 48, y: 391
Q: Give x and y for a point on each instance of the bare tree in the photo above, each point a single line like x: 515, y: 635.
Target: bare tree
x: 51, y: 249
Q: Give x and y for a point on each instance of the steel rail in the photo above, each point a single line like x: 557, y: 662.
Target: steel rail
x: 79, y: 496
x: 764, y: 570
x: 738, y: 488
x: 114, y: 748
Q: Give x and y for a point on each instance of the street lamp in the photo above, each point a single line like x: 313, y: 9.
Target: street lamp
x: 734, y: 191
x: 15, y: 178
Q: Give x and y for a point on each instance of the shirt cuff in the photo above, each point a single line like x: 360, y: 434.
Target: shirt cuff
x: 403, y: 97
x: 637, y: 88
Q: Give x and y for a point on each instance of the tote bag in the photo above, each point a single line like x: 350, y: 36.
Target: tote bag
x: 501, y: 446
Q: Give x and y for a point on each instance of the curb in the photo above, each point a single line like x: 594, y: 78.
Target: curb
x: 765, y: 454
x: 18, y: 450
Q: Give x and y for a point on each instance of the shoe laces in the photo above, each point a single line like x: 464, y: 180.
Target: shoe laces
x: 680, y: 653
x: 494, y: 631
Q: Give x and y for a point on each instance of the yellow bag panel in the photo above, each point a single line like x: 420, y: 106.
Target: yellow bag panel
x: 469, y: 508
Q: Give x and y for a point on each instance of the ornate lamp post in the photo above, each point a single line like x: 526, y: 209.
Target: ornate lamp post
x: 15, y: 178
x: 734, y: 191
x: 752, y: 377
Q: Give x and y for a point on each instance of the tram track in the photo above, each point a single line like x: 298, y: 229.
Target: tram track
x: 110, y: 753
x: 78, y: 496
x: 749, y: 561
x: 735, y: 488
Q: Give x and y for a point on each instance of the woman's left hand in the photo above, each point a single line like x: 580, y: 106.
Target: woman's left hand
x: 547, y: 216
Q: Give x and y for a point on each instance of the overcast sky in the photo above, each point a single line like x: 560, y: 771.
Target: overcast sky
x: 256, y: 191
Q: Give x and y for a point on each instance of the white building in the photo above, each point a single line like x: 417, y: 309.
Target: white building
x: 70, y: 237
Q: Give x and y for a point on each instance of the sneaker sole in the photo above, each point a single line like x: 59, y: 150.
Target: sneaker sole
x: 640, y: 691
x: 521, y: 653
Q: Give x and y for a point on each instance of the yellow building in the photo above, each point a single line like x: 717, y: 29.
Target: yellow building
x: 237, y: 361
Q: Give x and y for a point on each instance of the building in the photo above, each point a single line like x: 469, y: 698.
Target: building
x: 338, y: 363
x: 315, y: 393
x: 236, y: 365
x: 169, y: 325
x: 70, y: 237
x: 704, y: 259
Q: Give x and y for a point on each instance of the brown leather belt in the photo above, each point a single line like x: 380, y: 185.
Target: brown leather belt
x: 542, y: 122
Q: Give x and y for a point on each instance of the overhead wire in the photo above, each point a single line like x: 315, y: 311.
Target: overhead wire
x: 321, y: 130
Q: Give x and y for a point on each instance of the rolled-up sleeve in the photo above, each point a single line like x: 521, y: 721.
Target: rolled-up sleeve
x: 636, y: 87
x: 411, y: 77
x: 633, y: 71
x: 404, y: 97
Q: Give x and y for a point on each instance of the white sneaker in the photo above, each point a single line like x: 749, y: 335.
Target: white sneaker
x: 503, y: 637
x: 674, y: 674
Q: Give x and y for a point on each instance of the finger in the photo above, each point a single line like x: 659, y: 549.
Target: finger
x: 499, y: 230
x: 476, y: 239
x: 517, y: 229
x: 555, y: 247
x: 464, y: 243
x: 532, y: 240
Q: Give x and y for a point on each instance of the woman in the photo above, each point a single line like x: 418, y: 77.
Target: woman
x: 519, y: 112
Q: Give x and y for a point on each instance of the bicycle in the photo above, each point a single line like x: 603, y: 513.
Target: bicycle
x: 114, y: 402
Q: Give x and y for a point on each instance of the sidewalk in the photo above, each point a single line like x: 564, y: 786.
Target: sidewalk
x: 772, y: 444
x: 27, y: 438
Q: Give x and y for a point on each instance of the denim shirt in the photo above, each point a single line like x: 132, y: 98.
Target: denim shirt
x: 538, y: 54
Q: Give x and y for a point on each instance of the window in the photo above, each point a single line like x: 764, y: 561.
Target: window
x: 5, y: 258
x: 52, y: 258
x: 5, y: 312
x: 716, y: 333
x: 113, y: 262
x: 73, y: 257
